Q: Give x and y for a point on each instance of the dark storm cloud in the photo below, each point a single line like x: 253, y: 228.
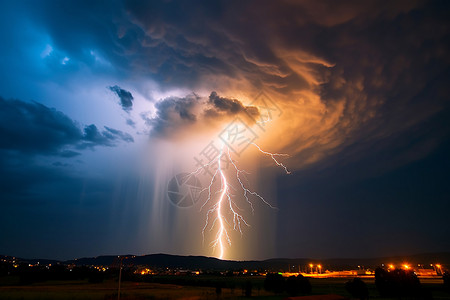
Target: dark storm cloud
x: 84, y: 31
x: 388, y: 82
x: 148, y: 40
x: 175, y: 114
x: 126, y: 98
x: 220, y: 106
x: 346, y: 53
x: 190, y: 53
x: 93, y: 137
x: 32, y: 128
x: 35, y: 128
x: 184, y: 44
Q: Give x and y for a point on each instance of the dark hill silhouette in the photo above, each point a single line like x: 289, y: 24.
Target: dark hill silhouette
x: 278, y: 264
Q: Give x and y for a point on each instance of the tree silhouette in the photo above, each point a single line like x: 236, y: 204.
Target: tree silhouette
x: 357, y: 288
x: 397, y: 283
x: 446, y: 278
x: 274, y: 282
x: 248, y: 288
x: 296, y: 285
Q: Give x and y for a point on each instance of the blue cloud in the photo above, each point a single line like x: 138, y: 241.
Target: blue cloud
x: 33, y: 128
x: 126, y: 98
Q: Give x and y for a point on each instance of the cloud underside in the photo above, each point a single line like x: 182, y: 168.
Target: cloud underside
x: 342, y: 77
x: 340, y: 73
x: 34, y: 129
x: 179, y: 115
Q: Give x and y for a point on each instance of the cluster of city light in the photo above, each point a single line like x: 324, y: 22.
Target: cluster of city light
x: 407, y: 266
x: 315, y: 270
x: 215, y: 215
x: 318, y: 268
x: 145, y: 271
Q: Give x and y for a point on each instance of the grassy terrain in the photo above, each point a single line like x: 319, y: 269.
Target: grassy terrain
x: 78, y: 290
x: 83, y: 290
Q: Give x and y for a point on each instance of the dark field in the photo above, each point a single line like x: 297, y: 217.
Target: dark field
x: 234, y: 289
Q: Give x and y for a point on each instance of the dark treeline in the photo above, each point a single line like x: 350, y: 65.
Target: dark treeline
x: 28, y: 275
x: 400, y: 283
x: 293, y: 285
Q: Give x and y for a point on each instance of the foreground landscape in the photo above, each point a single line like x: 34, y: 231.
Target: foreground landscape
x: 162, y: 276
x: 141, y: 290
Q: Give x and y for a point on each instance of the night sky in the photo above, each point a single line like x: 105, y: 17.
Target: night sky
x: 103, y: 102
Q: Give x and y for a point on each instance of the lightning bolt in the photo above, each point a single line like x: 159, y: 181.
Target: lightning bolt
x: 225, y: 189
x: 215, y: 216
x: 273, y: 155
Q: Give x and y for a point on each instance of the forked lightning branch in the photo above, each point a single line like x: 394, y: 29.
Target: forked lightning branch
x: 215, y: 216
x: 223, y: 212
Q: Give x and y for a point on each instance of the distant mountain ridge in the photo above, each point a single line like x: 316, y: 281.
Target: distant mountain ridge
x: 277, y: 264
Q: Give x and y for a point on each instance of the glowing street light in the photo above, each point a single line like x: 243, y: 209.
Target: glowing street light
x: 406, y: 266
x: 320, y: 268
x: 391, y: 266
x: 311, y: 266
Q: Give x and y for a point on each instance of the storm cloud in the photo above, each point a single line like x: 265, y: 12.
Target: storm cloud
x: 93, y: 137
x: 126, y: 98
x: 340, y: 62
x: 175, y: 114
x: 332, y: 68
x: 32, y: 128
x: 221, y: 106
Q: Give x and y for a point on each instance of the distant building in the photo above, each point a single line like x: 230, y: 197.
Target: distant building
x: 426, y: 272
